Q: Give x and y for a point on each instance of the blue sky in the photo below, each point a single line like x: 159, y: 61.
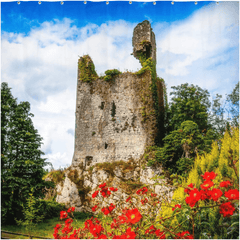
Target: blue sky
x: 41, y: 44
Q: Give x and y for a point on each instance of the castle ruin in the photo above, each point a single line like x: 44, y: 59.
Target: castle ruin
x: 116, y: 119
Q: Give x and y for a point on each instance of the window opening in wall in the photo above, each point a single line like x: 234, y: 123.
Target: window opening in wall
x: 106, y: 145
x: 88, y: 160
x: 113, y: 110
x: 102, y: 105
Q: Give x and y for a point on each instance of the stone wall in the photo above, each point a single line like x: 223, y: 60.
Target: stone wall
x: 109, y: 122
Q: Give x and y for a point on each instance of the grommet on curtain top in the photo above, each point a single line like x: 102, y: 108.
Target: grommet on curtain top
x: 217, y: 3
x: 154, y: 3
x: 61, y: 3
x: 130, y: 2
x: 195, y: 3
x: 107, y: 2
x: 39, y: 2
x: 85, y: 2
x: 172, y: 3
x: 18, y: 3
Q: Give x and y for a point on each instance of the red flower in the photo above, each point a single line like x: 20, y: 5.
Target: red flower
x: 206, y: 184
x: 144, y: 201
x: 102, y: 237
x: 105, y: 211
x: 113, y: 189
x: 216, y: 194
x: 176, y: 206
x: 227, y: 209
x: 160, y: 234
x: 95, y: 194
x: 102, y: 185
x: 129, y: 234
x: 184, y: 235
x: 111, y: 207
x: 71, y: 209
x: 205, y: 194
x: 114, y: 224
x: 133, y: 216
x: 128, y: 199
x: 194, y: 196
x: 63, y: 215
x: 88, y: 224
x: 225, y: 184
x: 94, y: 208
x: 153, y: 195
x: 144, y: 190
x: 187, y: 190
x: 105, y: 192
x: 96, y: 229
x: 232, y: 194
x: 209, y: 175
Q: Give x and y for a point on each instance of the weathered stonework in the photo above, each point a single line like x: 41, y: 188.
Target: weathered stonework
x: 116, y: 120
x: 143, y: 41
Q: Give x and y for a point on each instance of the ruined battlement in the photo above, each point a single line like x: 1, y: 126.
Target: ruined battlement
x: 116, y: 116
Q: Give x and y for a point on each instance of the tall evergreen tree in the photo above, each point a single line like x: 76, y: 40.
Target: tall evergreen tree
x: 21, y: 158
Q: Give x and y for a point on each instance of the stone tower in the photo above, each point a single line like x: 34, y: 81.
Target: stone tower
x: 116, y: 119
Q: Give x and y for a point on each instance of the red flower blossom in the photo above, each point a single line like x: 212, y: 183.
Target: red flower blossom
x: 153, y: 194
x: 225, y: 184
x: 144, y: 201
x: 96, y: 229
x: 194, y: 196
x: 227, y: 209
x: 113, y: 189
x: 205, y: 194
x: 187, y: 190
x: 216, y: 194
x: 94, y: 208
x: 160, y: 234
x: 111, y: 207
x: 232, y: 194
x: 184, y: 235
x: 63, y: 215
x: 105, y: 192
x: 176, y: 206
x: 128, y: 199
x: 209, y: 175
x: 102, y: 185
x: 114, y: 224
x: 71, y: 209
x: 102, y: 237
x: 105, y: 211
x: 95, y: 194
x: 144, y: 190
x: 150, y: 230
x: 207, y: 184
x: 133, y: 216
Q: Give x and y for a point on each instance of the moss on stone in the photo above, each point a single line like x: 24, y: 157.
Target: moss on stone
x: 111, y: 74
x: 86, y: 68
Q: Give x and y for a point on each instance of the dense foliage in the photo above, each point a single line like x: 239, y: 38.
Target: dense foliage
x: 191, y: 126
x: 21, y: 161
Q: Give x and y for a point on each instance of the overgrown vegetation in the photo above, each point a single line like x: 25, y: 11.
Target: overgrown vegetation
x: 224, y: 161
x: 86, y: 68
x: 111, y: 74
x: 191, y: 127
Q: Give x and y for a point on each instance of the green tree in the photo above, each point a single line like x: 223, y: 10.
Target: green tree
x: 181, y: 146
x: 21, y: 161
x: 191, y: 103
x: 233, y: 100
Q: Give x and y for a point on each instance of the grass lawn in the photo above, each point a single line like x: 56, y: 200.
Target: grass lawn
x: 45, y: 228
